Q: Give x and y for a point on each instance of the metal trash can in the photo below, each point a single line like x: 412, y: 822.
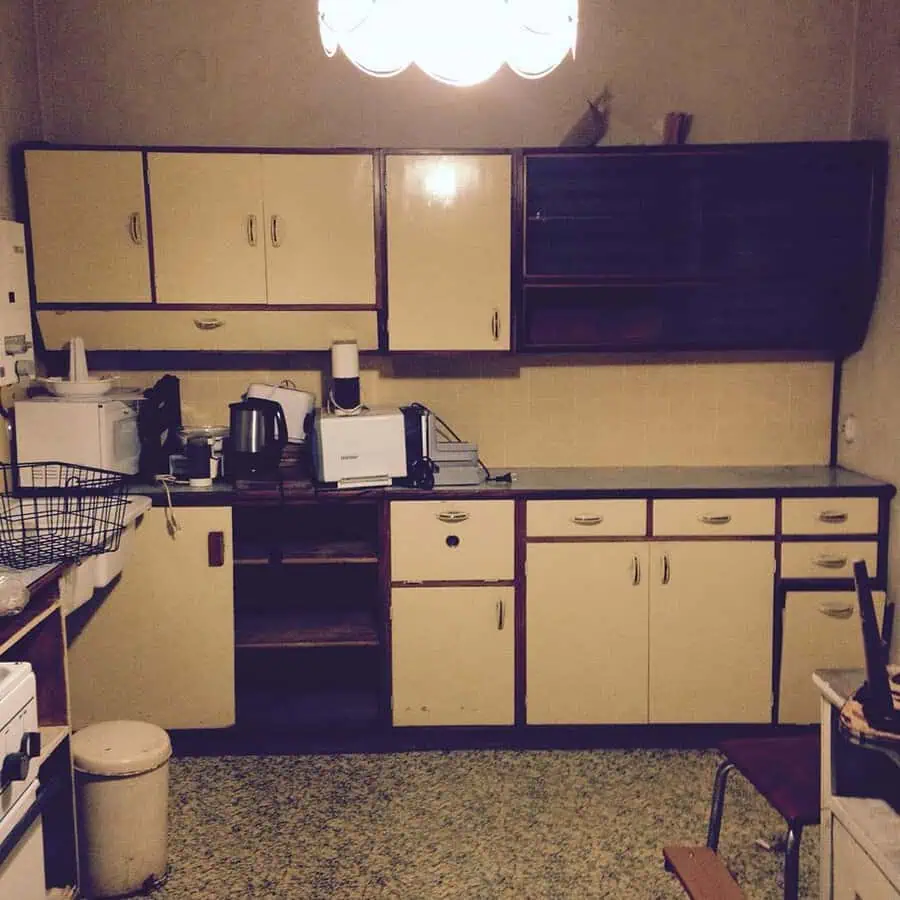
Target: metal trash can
x: 122, y: 798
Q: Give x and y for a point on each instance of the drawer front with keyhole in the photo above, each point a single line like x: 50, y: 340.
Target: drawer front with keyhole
x: 449, y: 540
x: 587, y: 518
x: 826, y: 559
x: 829, y: 515
x: 713, y: 517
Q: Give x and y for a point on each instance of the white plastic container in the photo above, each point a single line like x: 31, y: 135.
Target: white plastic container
x: 108, y: 565
x: 122, y: 800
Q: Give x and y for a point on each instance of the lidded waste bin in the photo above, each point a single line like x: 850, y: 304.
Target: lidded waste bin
x: 122, y: 798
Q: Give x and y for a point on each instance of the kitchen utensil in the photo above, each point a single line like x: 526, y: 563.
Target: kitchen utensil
x: 256, y: 436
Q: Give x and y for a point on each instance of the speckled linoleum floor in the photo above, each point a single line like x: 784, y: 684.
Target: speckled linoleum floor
x: 567, y: 825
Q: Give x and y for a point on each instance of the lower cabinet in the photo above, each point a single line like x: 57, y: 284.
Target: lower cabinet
x: 711, y: 631
x: 160, y: 646
x: 855, y: 875
x: 586, y: 611
x: 452, y: 655
x: 629, y: 632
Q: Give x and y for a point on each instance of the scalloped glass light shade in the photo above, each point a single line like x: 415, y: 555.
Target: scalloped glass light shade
x: 458, y: 42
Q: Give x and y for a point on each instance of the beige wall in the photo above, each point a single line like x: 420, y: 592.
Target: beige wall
x: 20, y: 115
x: 222, y: 72
x: 871, y: 377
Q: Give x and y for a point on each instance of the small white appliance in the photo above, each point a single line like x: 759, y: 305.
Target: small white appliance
x: 297, y: 405
x: 364, y: 450
x: 22, y: 863
x: 16, y: 344
x: 85, y: 431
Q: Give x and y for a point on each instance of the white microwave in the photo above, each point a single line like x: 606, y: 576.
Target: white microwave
x: 86, y: 432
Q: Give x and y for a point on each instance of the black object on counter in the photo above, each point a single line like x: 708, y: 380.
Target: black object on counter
x: 159, y: 423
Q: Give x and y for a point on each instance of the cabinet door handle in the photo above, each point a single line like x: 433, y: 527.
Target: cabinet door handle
x: 666, y: 569
x: 827, y: 561
x: 833, y: 516
x: 208, y: 324
x: 451, y: 517
x: 251, y: 230
x: 501, y: 615
x: 495, y: 325
x: 274, y: 236
x: 135, y: 230
x: 710, y: 519
x: 586, y: 519
x: 215, y: 548
x: 635, y: 570
x: 836, y: 612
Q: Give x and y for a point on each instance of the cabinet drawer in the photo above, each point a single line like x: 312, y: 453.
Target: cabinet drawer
x: 452, y: 540
x: 855, y: 875
x: 714, y: 517
x: 830, y: 515
x: 823, y: 559
x: 586, y: 518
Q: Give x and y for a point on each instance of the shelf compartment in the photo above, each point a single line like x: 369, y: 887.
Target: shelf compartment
x: 295, y: 628
x: 304, y: 552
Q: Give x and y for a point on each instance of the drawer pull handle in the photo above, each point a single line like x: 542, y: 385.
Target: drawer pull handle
x: 836, y: 612
x: 635, y: 570
x: 208, y: 324
x: 826, y: 561
x: 832, y: 517
x: 501, y: 615
x: 451, y: 517
x: 666, y: 569
x: 587, y: 519
x: 708, y: 519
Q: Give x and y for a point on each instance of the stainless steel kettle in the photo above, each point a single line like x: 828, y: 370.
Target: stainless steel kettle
x: 256, y: 436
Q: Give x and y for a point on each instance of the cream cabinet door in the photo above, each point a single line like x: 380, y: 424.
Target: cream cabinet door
x: 208, y: 227
x: 88, y: 220
x: 586, y: 617
x: 319, y: 228
x: 160, y: 647
x: 452, y: 655
x: 711, y: 631
x: 448, y: 252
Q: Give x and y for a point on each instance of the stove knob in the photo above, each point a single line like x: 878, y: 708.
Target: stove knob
x: 15, y: 768
x: 31, y: 744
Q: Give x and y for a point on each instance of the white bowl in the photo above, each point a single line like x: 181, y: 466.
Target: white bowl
x: 91, y: 387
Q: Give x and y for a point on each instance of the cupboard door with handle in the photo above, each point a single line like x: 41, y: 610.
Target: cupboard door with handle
x: 448, y: 251
x: 711, y: 631
x: 586, y: 621
x: 452, y: 655
x: 88, y: 221
x: 160, y: 646
x: 319, y: 228
x: 208, y: 227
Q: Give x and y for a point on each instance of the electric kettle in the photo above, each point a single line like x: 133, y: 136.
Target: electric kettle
x: 256, y: 436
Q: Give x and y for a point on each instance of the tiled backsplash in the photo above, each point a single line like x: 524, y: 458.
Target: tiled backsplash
x: 557, y: 412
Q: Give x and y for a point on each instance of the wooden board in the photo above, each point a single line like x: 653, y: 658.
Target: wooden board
x: 702, y: 873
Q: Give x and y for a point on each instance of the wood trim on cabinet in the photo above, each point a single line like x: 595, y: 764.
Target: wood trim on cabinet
x: 520, y: 677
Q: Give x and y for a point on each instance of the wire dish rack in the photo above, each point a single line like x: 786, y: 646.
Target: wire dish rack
x: 54, y: 512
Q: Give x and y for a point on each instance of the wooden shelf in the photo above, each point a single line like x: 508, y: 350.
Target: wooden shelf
x: 51, y: 737
x: 304, y: 628
x: 304, y: 553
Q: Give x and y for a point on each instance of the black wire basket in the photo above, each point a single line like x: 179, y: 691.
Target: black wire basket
x: 53, y: 512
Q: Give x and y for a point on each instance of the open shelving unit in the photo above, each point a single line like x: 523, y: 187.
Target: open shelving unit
x: 309, y: 615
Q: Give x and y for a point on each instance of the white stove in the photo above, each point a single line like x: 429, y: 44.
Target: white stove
x: 21, y: 839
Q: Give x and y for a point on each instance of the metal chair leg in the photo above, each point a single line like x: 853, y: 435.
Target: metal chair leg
x: 718, y: 804
x: 792, y: 862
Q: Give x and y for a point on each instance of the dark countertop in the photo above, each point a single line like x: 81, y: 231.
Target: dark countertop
x: 607, y: 482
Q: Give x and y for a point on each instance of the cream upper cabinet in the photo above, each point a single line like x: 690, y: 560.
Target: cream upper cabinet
x: 448, y: 251
x: 208, y: 242
x: 160, y: 647
x: 711, y: 631
x: 453, y: 655
x: 87, y: 213
x: 586, y: 617
x: 263, y: 228
x: 320, y: 228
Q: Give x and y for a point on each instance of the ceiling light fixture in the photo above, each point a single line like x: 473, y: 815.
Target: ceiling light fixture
x: 458, y: 42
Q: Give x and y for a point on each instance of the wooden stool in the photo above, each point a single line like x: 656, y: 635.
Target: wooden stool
x: 785, y: 770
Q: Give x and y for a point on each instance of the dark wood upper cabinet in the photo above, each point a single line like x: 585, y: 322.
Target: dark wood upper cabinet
x: 770, y: 247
